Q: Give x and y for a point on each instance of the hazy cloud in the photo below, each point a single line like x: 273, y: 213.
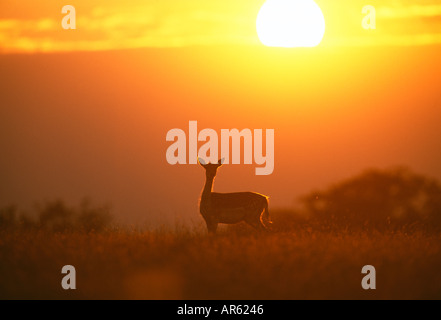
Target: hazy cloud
x: 155, y: 24
x: 410, y: 11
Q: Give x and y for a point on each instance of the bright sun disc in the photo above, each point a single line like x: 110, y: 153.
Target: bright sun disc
x: 290, y: 23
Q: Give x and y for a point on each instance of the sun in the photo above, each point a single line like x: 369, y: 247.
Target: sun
x: 290, y: 23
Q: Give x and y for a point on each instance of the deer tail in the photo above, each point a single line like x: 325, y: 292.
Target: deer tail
x: 266, y: 214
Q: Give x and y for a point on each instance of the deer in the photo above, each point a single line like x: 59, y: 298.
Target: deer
x: 231, y: 208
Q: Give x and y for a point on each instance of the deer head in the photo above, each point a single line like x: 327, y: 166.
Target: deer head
x: 210, y: 168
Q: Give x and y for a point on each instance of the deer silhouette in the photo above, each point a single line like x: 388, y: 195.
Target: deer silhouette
x: 230, y: 208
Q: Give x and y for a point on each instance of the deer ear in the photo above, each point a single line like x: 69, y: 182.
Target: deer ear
x: 221, y: 161
x: 201, y: 162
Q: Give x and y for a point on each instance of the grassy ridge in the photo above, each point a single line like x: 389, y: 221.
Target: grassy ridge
x: 302, y: 264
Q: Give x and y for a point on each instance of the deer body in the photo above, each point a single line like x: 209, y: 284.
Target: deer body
x: 230, y: 208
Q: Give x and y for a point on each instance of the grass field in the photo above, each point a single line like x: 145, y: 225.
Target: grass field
x: 236, y: 264
x: 388, y: 219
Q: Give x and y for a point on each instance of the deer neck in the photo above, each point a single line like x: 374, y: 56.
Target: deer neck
x: 208, y: 188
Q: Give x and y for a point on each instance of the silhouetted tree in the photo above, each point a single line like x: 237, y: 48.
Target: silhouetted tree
x: 8, y: 217
x: 380, y: 199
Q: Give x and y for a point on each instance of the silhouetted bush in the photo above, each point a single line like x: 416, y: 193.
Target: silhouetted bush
x: 56, y: 216
x: 93, y: 218
x: 8, y: 217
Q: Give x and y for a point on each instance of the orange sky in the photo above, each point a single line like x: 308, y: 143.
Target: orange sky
x: 76, y: 124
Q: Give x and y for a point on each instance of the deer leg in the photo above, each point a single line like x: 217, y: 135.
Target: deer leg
x: 211, y: 226
x: 256, y: 223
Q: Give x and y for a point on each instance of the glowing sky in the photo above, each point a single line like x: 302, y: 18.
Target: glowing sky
x: 94, y: 123
x: 35, y: 26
